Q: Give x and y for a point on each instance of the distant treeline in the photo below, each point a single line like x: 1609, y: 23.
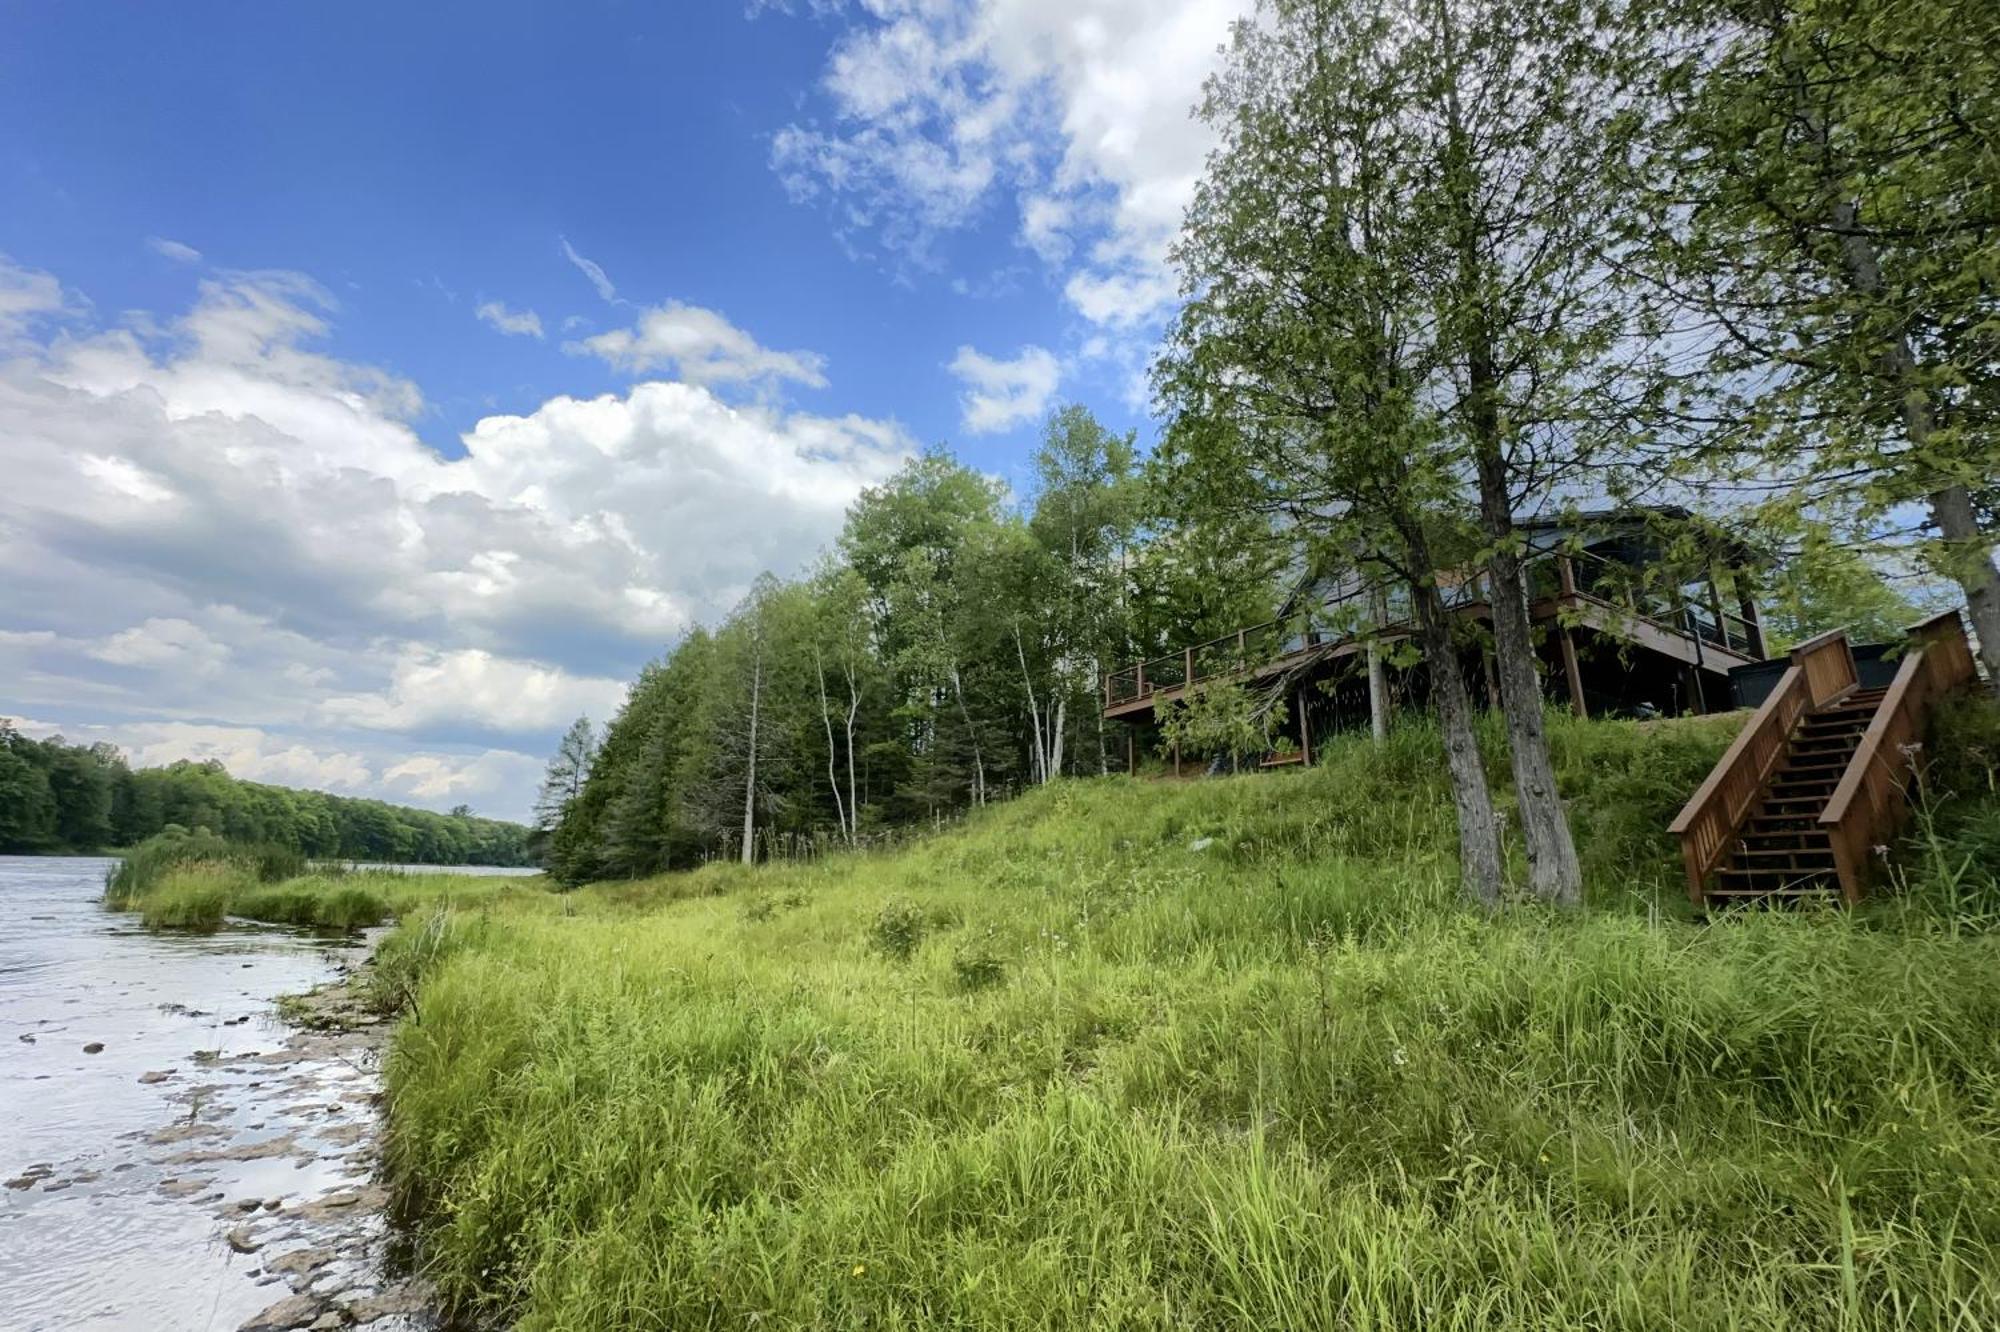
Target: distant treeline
x: 55, y: 796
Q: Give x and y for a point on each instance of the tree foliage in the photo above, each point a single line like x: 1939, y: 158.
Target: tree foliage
x: 55, y: 797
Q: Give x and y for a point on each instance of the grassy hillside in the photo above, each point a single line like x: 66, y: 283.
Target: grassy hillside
x: 1221, y: 1054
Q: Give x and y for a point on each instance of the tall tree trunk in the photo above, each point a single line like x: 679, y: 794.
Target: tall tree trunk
x: 1479, y: 871
x: 972, y: 736
x: 826, y: 716
x: 1058, y: 729
x: 1553, y: 871
x: 1040, y: 751
x: 750, y: 763
x: 1968, y: 552
x: 853, y: 791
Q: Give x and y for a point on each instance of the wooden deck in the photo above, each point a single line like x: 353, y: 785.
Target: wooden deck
x: 1713, y: 640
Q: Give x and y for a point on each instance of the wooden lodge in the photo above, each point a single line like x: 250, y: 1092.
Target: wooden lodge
x: 1813, y: 783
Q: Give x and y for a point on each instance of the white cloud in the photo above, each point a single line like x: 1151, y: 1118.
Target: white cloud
x: 514, y: 323
x: 440, y: 779
x: 1078, y: 109
x: 433, y: 688
x: 1000, y: 395
x: 701, y: 347
x: 598, y: 277
x: 217, y: 517
x: 173, y: 249
x: 25, y: 295
x: 165, y: 644
x: 246, y: 751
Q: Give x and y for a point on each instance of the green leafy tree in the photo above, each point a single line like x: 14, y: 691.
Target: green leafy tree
x: 1296, y: 371
x: 1820, y: 216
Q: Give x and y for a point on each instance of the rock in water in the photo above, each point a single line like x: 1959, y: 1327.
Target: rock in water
x: 286, y: 1314
x: 95, y: 1047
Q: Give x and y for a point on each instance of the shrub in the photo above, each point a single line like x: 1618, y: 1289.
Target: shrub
x: 899, y: 928
x: 978, y: 965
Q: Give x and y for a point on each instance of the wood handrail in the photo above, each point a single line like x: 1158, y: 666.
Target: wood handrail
x: 1711, y: 817
x: 1871, y: 801
x: 1822, y: 669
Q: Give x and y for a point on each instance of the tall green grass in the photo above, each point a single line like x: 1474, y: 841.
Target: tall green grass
x: 145, y: 867
x: 182, y: 881
x: 1225, y: 1054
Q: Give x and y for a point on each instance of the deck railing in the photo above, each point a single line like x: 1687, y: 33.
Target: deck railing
x: 1871, y: 802
x: 1565, y: 574
x: 1822, y: 669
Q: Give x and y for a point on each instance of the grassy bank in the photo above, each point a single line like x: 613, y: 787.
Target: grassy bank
x: 195, y: 881
x: 201, y: 896
x: 1214, y: 1055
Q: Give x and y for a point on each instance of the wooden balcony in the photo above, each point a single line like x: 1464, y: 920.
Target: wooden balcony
x: 1576, y: 591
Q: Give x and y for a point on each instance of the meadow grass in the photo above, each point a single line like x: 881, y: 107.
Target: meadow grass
x: 1062, y: 1069
x: 203, y: 895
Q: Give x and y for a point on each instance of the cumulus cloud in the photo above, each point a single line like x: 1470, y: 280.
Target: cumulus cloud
x: 701, y: 347
x: 173, y: 249
x: 209, y: 519
x: 447, y: 779
x: 514, y: 323
x: 170, y: 643
x: 1077, y: 110
x: 1000, y: 394
x: 25, y: 295
x: 246, y: 751
x: 473, y: 686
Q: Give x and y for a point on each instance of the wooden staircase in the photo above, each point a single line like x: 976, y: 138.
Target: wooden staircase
x: 1781, y: 850
x: 1817, y: 779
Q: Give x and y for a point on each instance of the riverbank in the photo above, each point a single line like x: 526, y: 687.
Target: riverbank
x: 197, y: 882
x: 179, y: 1153
x: 1220, y: 1055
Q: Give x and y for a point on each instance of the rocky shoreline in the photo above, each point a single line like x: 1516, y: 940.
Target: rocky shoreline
x: 333, y: 1251
x: 280, y: 1145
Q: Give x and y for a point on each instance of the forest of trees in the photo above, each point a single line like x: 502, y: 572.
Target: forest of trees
x: 1450, y: 266
x: 57, y: 797
x: 948, y: 652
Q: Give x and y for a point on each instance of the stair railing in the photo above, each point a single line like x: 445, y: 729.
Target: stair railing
x: 1872, y: 800
x: 1822, y: 669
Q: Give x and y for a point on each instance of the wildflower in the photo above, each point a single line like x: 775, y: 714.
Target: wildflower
x: 860, y: 1270
x: 1399, y: 1056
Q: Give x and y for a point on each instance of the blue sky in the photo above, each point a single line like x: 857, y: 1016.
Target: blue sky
x: 385, y: 383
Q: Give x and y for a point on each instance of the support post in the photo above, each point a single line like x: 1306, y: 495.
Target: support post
x: 1305, y: 731
x: 1748, y: 605
x: 1187, y: 673
x: 1177, y: 758
x: 1131, y: 751
x: 1574, y: 670
x: 1378, y: 673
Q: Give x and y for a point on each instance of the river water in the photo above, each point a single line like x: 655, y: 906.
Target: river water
x: 176, y: 1156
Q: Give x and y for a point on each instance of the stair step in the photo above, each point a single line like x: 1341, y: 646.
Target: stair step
x: 1792, y: 829
x: 1816, y: 889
